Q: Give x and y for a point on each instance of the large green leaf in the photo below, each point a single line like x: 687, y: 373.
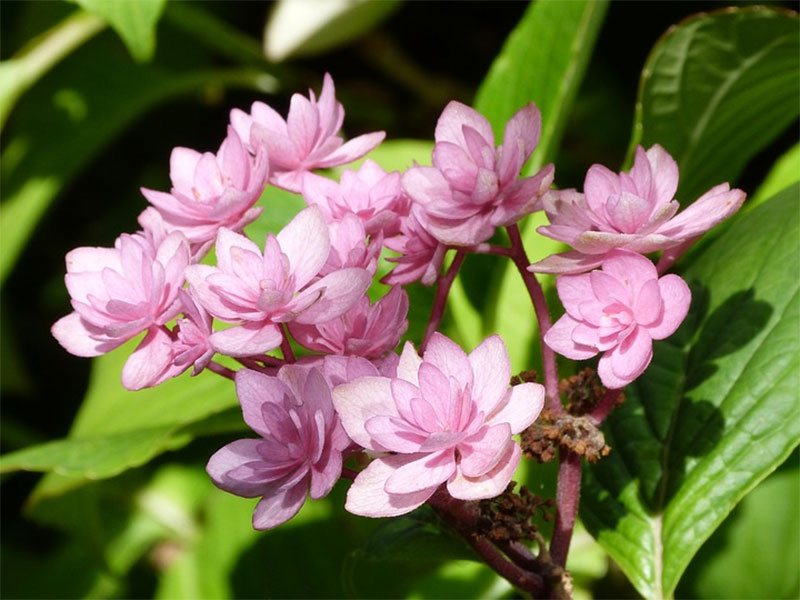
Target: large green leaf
x: 84, y: 104
x: 767, y: 520
x: 714, y: 413
x: 717, y: 89
x: 543, y: 60
x: 117, y: 429
x: 134, y: 20
x: 784, y: 172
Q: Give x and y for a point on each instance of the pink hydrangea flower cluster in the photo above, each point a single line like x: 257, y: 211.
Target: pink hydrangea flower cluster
x: 425, y: 421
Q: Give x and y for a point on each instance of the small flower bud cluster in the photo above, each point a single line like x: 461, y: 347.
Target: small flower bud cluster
x: 431, y: 418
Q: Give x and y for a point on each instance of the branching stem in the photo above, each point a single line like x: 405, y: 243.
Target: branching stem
x: 567, y: 498
x: 440, y: 301
x: 221, y: 370
x: 517, y: 254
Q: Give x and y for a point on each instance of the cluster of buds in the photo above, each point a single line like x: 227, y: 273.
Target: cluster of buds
x: 430, y: 416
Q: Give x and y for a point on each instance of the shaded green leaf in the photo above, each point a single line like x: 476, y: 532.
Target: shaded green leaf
x: 117, y: 429
x: 543, y: 61
x: 715, y: 412
x: 134, y: 20
x: 717, y: 89
x: 20, y: 72
x: 84, y: 104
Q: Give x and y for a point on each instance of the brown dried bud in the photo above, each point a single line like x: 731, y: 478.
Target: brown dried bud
x: 578, y: 434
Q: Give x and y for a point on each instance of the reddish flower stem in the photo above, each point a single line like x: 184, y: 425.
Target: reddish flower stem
x: 221, y: 370
x: 567, y: 498
x: 520, y: 259
x: 253, y: 365
x: 671, y: 255
x: 286, y: 347
x: 463, y: 517
x: 604, y: 407
x: 440, y: 301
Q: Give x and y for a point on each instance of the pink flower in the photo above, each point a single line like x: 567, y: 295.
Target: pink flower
x: 192, y: 345
x: 119, y: 292
x: 308, y: 139
x: 634, y: 211
x: 421, y: 254
x: 473, y: 187
x: 370, y: 193
x: 447, y: 417
x: 211, y: 191
x: 365, y: 330
x: 350, y: 248
x: 300, y: 450
x: 618, y: 310
x: 263, y: 290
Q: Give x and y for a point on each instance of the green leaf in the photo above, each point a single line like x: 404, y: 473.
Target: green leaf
x: 84, y: 104
x: 134, y: 20
x: 717, y: 89
x: 784, y: 172
x: 715, y: 412
x: 20, y: 72
x: 306, y: 28
x: 543, y: 60
x: 117, y: 429
x: 755, y: 553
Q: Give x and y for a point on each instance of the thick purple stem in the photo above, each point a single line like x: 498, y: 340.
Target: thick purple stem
x: 221, y: 370
x: 604, y: 407
x: 463, y: 517
x: 567, y: 498
x: 286, y: 347
x: 542, y: 315
x: 440, y: 301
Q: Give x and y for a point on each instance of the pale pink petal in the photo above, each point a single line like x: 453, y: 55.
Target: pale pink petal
x: 649, y: 307
x: 665, y: 174
x: 630, y: 358
x: 483, y: 451
x: 152, y: 357
x: 337, y: 293
x: 229, y: 458
x: 368, y: 498
x: 394, y: 434
x: 254, y: 389
x: 574, y: 290
x: 567, y: 263
x: 677, y: 297
x: 426, y: 472
x: 716, y: 205
x: 352, y: 150
x: 227, y: 241
x: 360, y: 400
x: 600, y: 184
x: 526, y: 127
x: 325, y: 472
x: 631, y: 269
x: 81, y: 338
x: 491, y: 369
x: 408, y: 367
x: 182, y: 165
x: 88, y: 259
x: 280, y: 506
x: 306, y: 242
x: 449, y: 358
x: 559, y: 338
x: 491, y: 484
x: 520, y: 408
x: 247, y: 340
x: 449, y: 127
x: 426, y: 185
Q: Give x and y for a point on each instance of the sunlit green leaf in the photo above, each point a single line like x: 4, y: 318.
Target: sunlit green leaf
x: 718, y: 89
x: 755, y: 553
x: 134, y: 20
x: 784, y: 172
x: 543, y: 61
x: 305, y: 28
x: 714, y: 413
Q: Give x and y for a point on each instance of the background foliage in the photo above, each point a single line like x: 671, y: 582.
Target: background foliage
x: 90, y: 114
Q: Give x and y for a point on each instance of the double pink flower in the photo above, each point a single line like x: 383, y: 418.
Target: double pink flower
x: 618, y: 310
x: 447, y: 417
x: 633, y: 211
x: 262, y: 290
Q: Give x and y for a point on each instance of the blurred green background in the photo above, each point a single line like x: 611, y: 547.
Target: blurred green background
x: 101, y: 124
